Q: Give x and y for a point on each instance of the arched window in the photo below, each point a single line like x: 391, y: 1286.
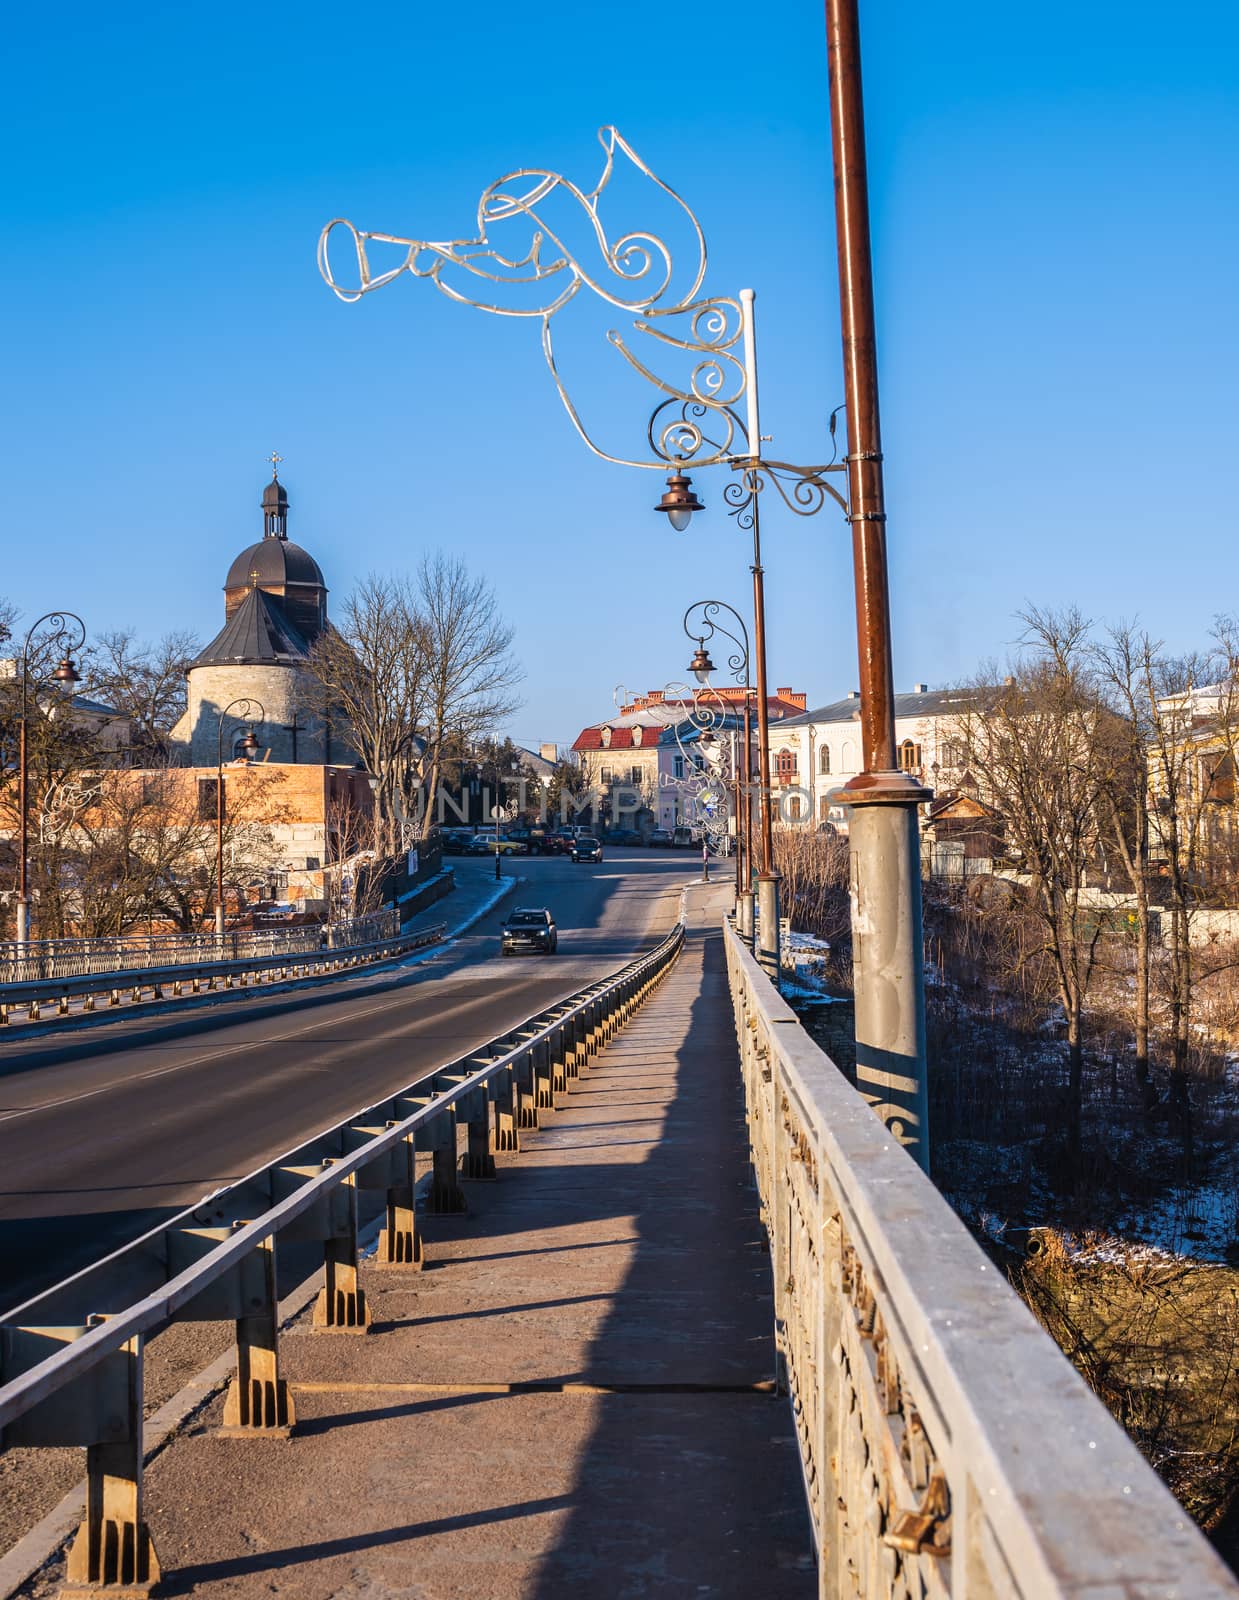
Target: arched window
x: 785, y: 766
x: 823, y: 760
x: 847, y: 757
x: 909, y: 756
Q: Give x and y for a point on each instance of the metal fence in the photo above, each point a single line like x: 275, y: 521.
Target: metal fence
x: 82, y: 958
x: 71, y: 1359
x: 948, y: 1447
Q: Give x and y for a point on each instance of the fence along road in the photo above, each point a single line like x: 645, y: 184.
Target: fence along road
x: 72, y: 1360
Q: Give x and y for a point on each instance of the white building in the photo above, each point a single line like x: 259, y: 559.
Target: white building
x: 816, y: 753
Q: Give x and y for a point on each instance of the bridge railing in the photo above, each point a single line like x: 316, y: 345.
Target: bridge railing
x: 71, y: 1359
x: 26, y: 1000
x: 948, y: 1447
x: 80, y: 958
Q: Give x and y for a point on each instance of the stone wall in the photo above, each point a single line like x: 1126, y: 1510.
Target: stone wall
x: 282, y: 691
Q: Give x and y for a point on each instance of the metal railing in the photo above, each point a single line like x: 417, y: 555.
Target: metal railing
x: 80, y: 958
x: 948, y: 1447
x: 71, y: 1359
x: 206, y: 976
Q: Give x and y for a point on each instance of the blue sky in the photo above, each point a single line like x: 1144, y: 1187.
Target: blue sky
x: 1054, y: 194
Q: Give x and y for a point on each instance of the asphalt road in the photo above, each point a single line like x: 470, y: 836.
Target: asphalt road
x: 105, y: 1132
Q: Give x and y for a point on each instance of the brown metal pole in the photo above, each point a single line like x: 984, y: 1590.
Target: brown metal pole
x: 860, y: 375
x: 221, y: 919
x: 884, y: 828
x: 23, y: 901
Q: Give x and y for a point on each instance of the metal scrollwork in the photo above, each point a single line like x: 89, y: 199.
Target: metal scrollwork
x: 541, y: 272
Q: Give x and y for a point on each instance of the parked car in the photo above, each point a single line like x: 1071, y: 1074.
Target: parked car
x: 682, y: 838
x: 479, y: 844
x: 506, y: 847
x: 623, y: 836
x: 586, y: 848
x: 660, y: 839
x: 528, y: 930
x: 456, y: 841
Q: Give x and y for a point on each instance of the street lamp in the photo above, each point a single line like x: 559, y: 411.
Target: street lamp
x: 69, y: 632
x: 701, y: 623
x: 634, y: 271
x: 245, y: 709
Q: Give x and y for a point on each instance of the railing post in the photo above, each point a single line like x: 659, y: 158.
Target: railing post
x: 112, y: 1552
x: 113, y: 1548
x: 341, y: 1305
x: 258, y: 1401
x: 438, y: 1136
x: 400, y: 1242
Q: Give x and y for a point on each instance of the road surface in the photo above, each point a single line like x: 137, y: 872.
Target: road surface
x: 105, y: 1132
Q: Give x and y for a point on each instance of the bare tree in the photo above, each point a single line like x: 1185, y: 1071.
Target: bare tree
x: 1035, y: 742
x: 373, y: 669
x: 145, y: 682
x: 471, y: 671
x: 1128, y: 665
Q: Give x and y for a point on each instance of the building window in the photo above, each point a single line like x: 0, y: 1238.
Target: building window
x: 847, y: 757
x: 952, y: 755
x: 606, y: 776
x: 823, y: 760
x: 634, y: 776
x: 1218, y: 776
x: 823, y: 808
x: 795, y: 808
x: 679, y: 766
x: 785, y: 766
x: 207, y: 812
x: 909, y: 756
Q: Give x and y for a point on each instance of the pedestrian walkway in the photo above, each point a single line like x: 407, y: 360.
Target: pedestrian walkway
x: 475, y: 894
x: 575, y: 1396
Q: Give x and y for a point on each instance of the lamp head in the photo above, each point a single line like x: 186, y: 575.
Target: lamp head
x: 66, y: 672
x: 701, y: 666
x: 249, y: 745
x: 679, y: 501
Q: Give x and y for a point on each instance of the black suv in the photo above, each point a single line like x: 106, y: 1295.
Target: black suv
x: 528, y: 931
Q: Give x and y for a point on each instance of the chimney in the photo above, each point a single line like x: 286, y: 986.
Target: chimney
x: 853, y: 694
x: 802, y: 700
x: 549, y: 752
x: 653, y: 698
x: 784, y: 694
x: 920, y: 688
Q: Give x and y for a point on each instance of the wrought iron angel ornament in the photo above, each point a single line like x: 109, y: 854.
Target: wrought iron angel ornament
x: 538, y: 273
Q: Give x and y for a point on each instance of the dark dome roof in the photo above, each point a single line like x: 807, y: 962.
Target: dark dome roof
x: 275, y: 494
x: 276, y: 561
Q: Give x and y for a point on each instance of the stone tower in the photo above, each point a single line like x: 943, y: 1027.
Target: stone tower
x: 275, y: 607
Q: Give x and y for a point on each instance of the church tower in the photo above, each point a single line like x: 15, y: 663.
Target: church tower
x: 275, y: 607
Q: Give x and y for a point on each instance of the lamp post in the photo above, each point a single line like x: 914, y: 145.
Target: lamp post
x: 701, y: 623
x: 69, y: 632
x: 245, y: 709
x: 634, y: 271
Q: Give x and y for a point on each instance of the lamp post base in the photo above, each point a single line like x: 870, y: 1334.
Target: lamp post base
x: 219, y: 922
x: 23, y: 922
x: 884, y: 850
x: 744, y: 916
x: 767, y: 947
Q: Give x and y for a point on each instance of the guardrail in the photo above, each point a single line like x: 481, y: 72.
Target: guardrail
x: 202, y: 976
x: 71, y: 1359
x: 948, y: 1447
x: 78, y: 958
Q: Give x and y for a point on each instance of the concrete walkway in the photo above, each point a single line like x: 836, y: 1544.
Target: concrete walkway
x: 573, y: 1398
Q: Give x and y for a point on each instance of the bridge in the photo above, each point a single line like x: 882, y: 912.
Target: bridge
x: 517, y: 1279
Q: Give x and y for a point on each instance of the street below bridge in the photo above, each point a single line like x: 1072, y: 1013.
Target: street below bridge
x: 106, y: 1131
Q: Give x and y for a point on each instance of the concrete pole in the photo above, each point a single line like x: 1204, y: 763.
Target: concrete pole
x: 23, y: 846
x: 884, y: 839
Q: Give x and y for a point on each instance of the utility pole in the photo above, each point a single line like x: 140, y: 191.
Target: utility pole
x: 884, y: 830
